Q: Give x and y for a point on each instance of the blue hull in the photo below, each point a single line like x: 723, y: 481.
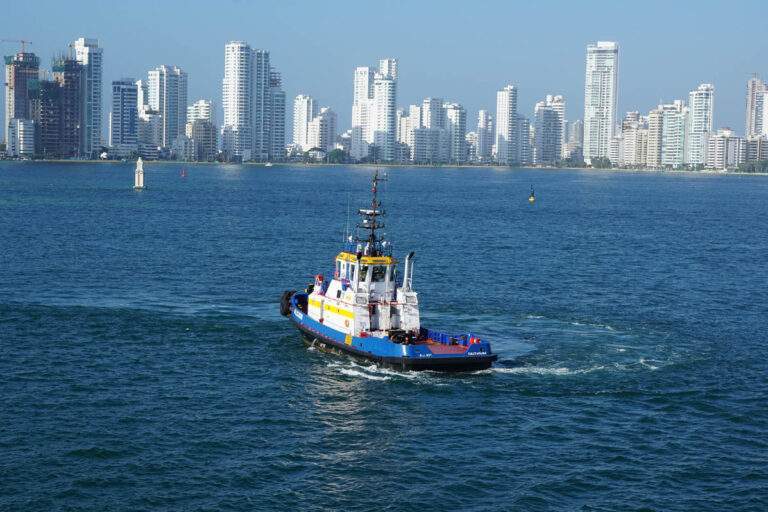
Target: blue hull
x: 384, y: 352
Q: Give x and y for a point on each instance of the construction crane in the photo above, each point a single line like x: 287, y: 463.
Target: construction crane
x: 23, y: 43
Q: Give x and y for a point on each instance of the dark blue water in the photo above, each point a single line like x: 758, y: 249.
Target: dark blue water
x: 144, y: 364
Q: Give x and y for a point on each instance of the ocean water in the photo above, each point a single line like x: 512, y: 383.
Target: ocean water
x: 144, y: 364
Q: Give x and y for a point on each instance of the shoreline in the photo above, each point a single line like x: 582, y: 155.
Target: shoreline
x: 397, y: 165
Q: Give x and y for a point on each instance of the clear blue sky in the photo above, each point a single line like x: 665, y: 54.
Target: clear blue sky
x: 462, y: 51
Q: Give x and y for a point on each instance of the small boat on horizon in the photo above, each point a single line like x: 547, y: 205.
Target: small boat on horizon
x: 268, y: 164
x: 183, y: 173
x: 366, y: 310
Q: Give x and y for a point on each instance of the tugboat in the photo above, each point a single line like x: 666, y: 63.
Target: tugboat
x: 365, y: 311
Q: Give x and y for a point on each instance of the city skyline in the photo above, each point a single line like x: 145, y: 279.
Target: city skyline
x: 650, y: 73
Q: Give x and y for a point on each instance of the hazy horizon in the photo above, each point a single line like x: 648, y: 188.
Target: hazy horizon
x: 665, y: 50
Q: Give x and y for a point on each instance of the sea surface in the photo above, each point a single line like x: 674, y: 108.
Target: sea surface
x: 144, y: 364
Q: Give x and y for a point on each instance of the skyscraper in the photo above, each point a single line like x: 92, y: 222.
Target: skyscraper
x: 549, y: 130
x: 304, y: 110
x: 484, y: 136
x: 22, y: 72
x: 261, y: 105
x: 124, y: 118
x: 201, y: 110
x: 167, y: 91
x: 276, y: 118
x: 69, y: 77
x: 756, y: 95
x: 506, y: 144
x: 675, y: 120
x: 254, y: 105
x: 89, y: 55
x: 321, y: 130
x: 237, y: 100
x: 361, y: 110
x: 600, y: 94
x: 456, y: 126
x: 384, y: 111
x: 700, y: 103
x: 374, y: 111
x: 201, y: 130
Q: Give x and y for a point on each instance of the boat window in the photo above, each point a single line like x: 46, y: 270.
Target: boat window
x: 351, y: 269
x: 363, y: 273
x: 379, y: 274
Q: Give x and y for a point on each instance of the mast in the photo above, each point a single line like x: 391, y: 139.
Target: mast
x: 369, y: 220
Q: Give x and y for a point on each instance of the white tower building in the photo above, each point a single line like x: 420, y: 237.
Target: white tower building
x: 700, y: 104
x: 304, y: 111
x: 201, y: 110
x: 456, y: 125
x: 506, y: 139
x: 756, y: 106
x: 384, y: 114
x: 237, y: 100
x: 88, y: 53
x: 321, y: 130
x: 484, y: 136
x: 361, y: 110
x: 167, y: 90
x: 600, y: 94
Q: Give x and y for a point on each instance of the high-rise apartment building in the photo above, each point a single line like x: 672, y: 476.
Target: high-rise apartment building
x: 506, y: 145
x: 725, y: 150
x: 600, y: 95
x: 374, y: 112
x: 667, y: 134
x: 321, y: 130
x: 547, y: 135
x: 201, y: 110
x: 275, y: 119
x: 361, y: 111
x: 69, y: 77
x: 90, y: 56
x: 700, y: 105
x: 304, y: 110
x: 384, y: 112
x: 254, y: 105
x: 262, y: 103
x: 673, y: 135
x: 124, y: 118
x: 485, y: 135
x: 456, y: 127
x: 22, y: 72
x: 167, y: 95
x: 756, y: 106
x: 237, y: 100
x: 549, y: 128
